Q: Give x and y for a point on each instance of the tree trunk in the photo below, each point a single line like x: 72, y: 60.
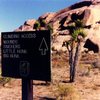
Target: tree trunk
x: 74, y: 60
x: 72, y: 54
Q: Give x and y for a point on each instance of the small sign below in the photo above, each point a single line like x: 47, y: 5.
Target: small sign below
x: 26, y: 55
x: 24, y: 68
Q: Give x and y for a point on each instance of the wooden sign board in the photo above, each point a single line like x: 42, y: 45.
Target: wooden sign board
x: 26, y: 55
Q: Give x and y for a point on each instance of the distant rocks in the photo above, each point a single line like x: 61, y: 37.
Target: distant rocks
x: 88, y: 11
x: 28, y: 25
x: 30, y: 22
x: 47, y: 17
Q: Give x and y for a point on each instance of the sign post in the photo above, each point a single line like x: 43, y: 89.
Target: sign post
x: 27, y: 89
x: 26, y: 55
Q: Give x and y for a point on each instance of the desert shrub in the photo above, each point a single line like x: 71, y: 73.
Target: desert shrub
x: 84, y: 69
x: 36, y: 25
x: 4, y: 80
x: 49, y: 27
x: 66, y: 92
x: 43, y: 23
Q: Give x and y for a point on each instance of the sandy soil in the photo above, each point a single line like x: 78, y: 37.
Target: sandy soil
x: 87, y: 82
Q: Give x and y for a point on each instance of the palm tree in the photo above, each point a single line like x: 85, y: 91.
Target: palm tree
x: 74, y: 46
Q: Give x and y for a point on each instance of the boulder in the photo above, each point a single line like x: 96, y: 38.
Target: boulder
x: 47, y: 17
x: 25, y: 28
x: 92, y: 15
x: 57, y: 43
x: 30, y: 22
x: 89, y: 14
x: 88, y: 11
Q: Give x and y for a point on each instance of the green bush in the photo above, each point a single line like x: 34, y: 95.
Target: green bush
x: 43, y: 23
x: 36, y: 25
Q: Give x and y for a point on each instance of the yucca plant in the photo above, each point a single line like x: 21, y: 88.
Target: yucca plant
x: 37, y: 25
x: 43, y: 23
x: 49, y: 27
x: 74, y: 46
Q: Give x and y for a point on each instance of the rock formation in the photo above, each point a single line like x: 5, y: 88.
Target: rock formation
x: 88, y: 11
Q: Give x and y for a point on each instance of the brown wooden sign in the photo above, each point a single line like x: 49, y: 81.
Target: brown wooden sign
x: 26, y: 55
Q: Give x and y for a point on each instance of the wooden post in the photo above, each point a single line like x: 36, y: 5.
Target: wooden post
x: 27, y: 89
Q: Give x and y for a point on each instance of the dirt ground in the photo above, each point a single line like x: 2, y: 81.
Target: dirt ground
x: 85, y: 87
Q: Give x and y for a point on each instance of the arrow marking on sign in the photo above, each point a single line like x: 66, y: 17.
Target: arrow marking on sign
x: 43, y: 47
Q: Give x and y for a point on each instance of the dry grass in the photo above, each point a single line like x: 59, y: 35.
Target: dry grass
x: 87, y: 80
x: 3, y: 80
x: 59, y: 60
x: 66, y: 92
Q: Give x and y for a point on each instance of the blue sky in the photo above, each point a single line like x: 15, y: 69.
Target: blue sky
x: 14, y: 13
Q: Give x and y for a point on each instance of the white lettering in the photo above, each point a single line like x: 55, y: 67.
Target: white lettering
x: 14, y: 55
x: 21, y: 51
x: 11, y: 46
x: 9, y: 51
x: 28, y: 35
x: 10, y: 36
x: 10, y: 41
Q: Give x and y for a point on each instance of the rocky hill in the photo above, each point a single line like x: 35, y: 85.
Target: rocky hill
x: 88, y: 11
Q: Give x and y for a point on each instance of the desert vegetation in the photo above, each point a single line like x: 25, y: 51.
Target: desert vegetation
x: 74, y: 46
x: 42, y: 25
x: 87, y: 80
x: 82, y: 68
